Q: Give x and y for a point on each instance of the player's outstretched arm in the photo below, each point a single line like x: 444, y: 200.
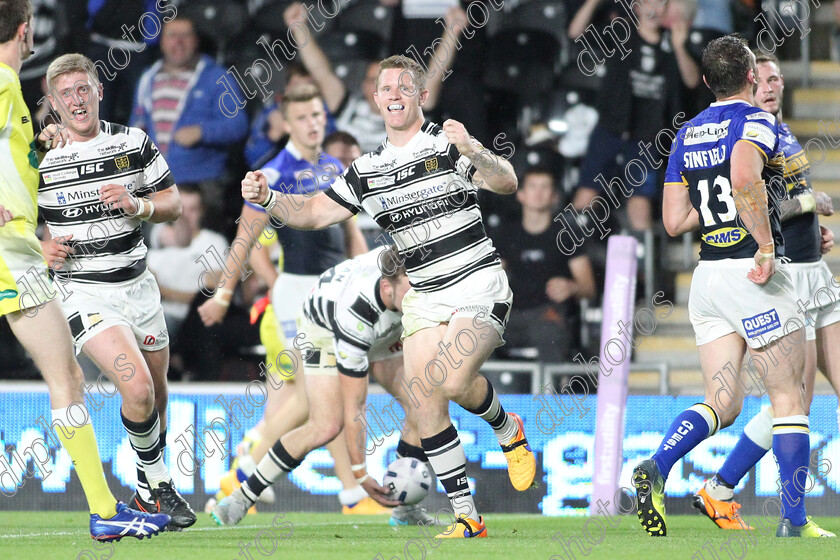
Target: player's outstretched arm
x: 313, y: 57
x: 354, y: 240
x: 493, y: 173
x: 294, y: 210
x: 250, y: 226
x: 354, y: 390
x: 678, y: 215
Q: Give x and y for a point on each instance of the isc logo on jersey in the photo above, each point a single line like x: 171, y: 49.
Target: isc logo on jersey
x: 761, y: 323
x: 92, y: 168
x: 725, y: 237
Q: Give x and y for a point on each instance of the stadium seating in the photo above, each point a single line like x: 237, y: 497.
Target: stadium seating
x: 699, y: 38
x: 268, y: 17
x: 244, y: 50
x: 521, y: 61
x: 548, y: 16
x: 345, y: 46
x: 217, y: 21
x: 350, y: 52
x: 525, y: 158
x: 367, y: 15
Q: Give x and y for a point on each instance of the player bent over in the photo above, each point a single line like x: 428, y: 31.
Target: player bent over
x: 722, y: 164
x: 815, y: 289
x: 301, y: 167
x: 421, y: 186
x: 349, y: 323
x: 286, y: 407
x: 26, y: 292
x: 94, y: 195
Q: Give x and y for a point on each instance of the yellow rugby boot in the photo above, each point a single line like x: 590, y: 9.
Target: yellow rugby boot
x: 522, y: 465
x: 365, y: 506
x: 464, y: 528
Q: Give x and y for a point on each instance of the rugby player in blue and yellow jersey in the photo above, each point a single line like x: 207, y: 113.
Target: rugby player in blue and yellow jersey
x: 817, y: 293
x: 725, y: 175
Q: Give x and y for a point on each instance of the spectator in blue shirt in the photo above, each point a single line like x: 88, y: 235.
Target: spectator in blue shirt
x: 177, y: 104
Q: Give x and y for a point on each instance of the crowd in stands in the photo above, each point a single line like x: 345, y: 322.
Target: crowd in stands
x: 557, y: 86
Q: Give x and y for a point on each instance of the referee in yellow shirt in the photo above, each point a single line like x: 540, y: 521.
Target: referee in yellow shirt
x: 26, y: 291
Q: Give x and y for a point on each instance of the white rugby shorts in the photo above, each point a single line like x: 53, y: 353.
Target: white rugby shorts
x: 484, y: 296
x: 287, y: 296
x: 92, y: 308
x: 723, y: 300
x: 817, y: 291
x: 321, y: 359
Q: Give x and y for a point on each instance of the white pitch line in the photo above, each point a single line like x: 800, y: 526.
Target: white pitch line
x: 48, y: 534
x: 370, y: 522
x: 191, y: 530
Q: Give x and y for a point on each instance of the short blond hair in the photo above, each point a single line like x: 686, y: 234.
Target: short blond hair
x: 67, y: 63
x: 408, y: 64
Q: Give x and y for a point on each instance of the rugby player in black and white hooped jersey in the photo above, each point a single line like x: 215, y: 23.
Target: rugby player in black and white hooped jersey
x: 350, y: 326
x: 94, y: 194
x: 421, y: 186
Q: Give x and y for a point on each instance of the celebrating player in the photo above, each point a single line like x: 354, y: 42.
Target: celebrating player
x: 722, y: 165
x: 26, y: 294
x: 350, y: 323
x: 94, y: 195
x: 421, y: 186
x: 816, y: 292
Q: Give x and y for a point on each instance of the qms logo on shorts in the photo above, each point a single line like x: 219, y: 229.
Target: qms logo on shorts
x: 149, y: 340
x: 761, y: 323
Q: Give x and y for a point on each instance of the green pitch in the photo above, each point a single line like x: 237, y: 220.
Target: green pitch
x: 310, y: 536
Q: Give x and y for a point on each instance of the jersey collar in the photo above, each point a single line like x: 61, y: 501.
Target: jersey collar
x: 730, y: 102
x: 290, y: 147
x: 410, y: 144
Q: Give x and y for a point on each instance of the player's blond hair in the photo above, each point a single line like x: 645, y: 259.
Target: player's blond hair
x: 67, y: 63
x: 407, y: 64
